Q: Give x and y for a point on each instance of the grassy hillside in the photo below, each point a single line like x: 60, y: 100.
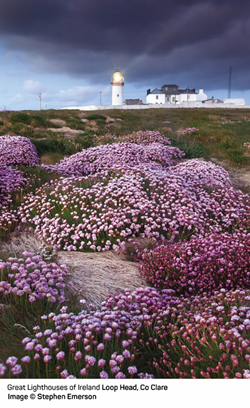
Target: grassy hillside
x: 222, y: 133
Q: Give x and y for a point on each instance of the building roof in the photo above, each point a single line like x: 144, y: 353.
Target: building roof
x: 187, y: 90
x: 170, y: 85
x: 170, y: 89
x: 157, y: 91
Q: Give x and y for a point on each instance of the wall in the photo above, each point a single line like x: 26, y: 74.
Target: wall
x: 196, y: 104
x: 235, y: 101
x: 191, y: 97
x: 151, y: 98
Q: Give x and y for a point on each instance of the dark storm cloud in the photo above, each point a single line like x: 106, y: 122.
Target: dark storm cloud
x: 150, y: 40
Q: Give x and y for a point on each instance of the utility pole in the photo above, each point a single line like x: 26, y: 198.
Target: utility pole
x: 229, y: 83
x: 40, y: 97
x: 100, y: 98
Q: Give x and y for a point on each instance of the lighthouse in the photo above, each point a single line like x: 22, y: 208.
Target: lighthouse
x: 117, y: 82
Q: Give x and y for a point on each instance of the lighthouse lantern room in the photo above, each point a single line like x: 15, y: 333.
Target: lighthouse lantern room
x: 117, y: 82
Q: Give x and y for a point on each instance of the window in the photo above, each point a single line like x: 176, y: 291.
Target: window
x: 157, y: 97
x: 117, y: 95
x: 166, y: 88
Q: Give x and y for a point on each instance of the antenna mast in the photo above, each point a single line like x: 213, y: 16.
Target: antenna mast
x: 229, y: 83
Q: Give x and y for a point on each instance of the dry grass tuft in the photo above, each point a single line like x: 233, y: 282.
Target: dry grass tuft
x: 20, y: 241
x: 94, y: 275
x: 97, y: 275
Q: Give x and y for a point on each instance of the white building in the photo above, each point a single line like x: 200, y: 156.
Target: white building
x: 117, y: 82
x: 156, y: 96
x: 172, y: 94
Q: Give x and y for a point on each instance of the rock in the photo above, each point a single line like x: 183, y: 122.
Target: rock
x: 58, y: 122
x: 68, y: 132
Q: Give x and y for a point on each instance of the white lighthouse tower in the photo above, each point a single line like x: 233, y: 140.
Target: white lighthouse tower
x: 117, y: 82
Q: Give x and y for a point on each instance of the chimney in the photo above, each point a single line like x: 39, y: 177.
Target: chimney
x: 148, y: 91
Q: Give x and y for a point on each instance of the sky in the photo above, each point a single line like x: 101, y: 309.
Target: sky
x: 58, y: 53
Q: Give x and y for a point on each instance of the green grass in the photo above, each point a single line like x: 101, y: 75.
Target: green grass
x: 222, y: 132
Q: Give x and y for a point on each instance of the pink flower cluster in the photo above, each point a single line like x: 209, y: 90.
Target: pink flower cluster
x: 189, y: 131
x: 247, y: 144
x: 33, y: 277
x: 200, y: 265
x: 17, y: 150
x: 125, y: 155
x: 99, y: 212
x: 11, y: 180
x: 142, y: 137
x: 198, y: 337
x: 198, y: 173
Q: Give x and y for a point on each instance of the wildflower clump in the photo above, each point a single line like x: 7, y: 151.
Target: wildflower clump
x: 11, y: 180
x: 117, y: 155
x: 143, y: 334
x: 17, y: 150
x: 98, y: 212
x: 142, y: 137
x: 204, y: 264
x: 32, y: 278
x: 189, y: 131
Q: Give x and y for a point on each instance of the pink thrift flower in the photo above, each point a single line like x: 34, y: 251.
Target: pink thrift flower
x: 47, y: 358
x: 60, y: 355
x: 112, y: 363
x: 126, y: 354
x: 119, y: 358
x: 100, y: 347
x: 132, y: 370
x: 78, y: 356
x: 25, y: 360
x: 11, y: 361
x: 17, y: 369
x: 107, y: 337
x: 120, y: 375
x: 101, y: 362
x: 103, y: 375
x: 115, y: 370
x: 29, y: 346
x: 83, y: 372
x: 2, y: 369
x: 90, y: 360
x: 64, y: 374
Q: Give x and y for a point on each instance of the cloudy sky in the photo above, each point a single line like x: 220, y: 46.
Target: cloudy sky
x: 67, y: 50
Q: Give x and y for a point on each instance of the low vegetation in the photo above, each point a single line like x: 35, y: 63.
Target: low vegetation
x: 124, y: 183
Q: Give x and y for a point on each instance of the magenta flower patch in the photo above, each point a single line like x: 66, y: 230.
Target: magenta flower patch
x: 17, y: 150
